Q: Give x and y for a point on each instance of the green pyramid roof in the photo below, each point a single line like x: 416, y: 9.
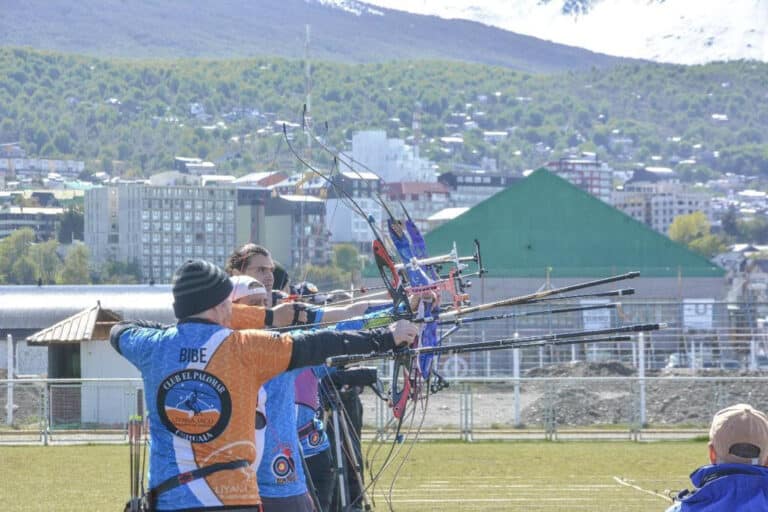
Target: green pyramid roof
x: 545, y: 222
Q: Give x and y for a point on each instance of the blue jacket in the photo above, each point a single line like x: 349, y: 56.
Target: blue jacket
x: 726, y: 487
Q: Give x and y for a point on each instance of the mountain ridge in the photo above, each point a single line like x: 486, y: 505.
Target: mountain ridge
x: 237, y: 28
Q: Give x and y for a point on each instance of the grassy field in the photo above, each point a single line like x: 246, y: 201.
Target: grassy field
x: 526, y: 476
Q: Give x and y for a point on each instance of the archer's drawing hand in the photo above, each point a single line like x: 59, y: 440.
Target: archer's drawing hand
x: 282, y: 314
x: 404, y: 332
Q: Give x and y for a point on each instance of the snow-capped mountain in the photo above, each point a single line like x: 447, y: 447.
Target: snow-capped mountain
x: 678, y: 31
x: 351, y: 6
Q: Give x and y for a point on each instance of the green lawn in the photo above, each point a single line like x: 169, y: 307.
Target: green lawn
x: 525, y: 476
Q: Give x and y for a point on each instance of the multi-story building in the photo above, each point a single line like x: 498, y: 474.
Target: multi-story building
x: 588, y: 174
x: 468, y: 188
x: 344, y: 224
x: 102, y: 233
x: 43, y: 221
x: 654, y: 196
x: 158, y: 227
x: 261, y: 179
x: 390, y: 158
x: 29, y: 168
x: 195, y: 166
x: 295, y: 230
x: 421, y: 200
x: 292, y: 226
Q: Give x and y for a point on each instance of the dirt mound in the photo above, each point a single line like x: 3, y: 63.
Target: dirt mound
x: 668, y: 402
x: 583, y: 369
x: 577, y: 405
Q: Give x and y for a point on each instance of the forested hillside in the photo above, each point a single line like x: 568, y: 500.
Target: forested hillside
x: 140, y: 113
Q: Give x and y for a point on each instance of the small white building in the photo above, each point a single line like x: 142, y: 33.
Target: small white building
x: 78, y: 347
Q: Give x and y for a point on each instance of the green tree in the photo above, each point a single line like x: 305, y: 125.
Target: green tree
x: 327, y: 278
x: 48, y: 261
x: 730, y: 224
x: 75, y: 269
x: 23, y: 271
x: 62, y: 143
x: 686, y: 228
x: 346, y: 257
x: 13, y: 248
x: 754, y: 231
x: 708, y: 245
x: 72, y: 226
x: 117, y: 272
x: 693, y: 230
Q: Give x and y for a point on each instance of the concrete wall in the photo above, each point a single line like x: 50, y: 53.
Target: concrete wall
x: 106, y: 403
x: 278, y: 236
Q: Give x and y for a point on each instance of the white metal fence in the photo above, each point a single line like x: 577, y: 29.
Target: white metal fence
x: 92, y: 410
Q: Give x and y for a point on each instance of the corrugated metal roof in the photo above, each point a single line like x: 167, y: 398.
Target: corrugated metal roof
x: 37, y: 307
x: 90, y: 324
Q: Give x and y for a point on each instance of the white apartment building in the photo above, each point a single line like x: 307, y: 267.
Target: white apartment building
x: 102, y: 233
x: 342, y: 222
x: 161, y: 224
x: 390, y: 158
x: 588, y: 174
x: 655, y: 198
x: 159, y: 227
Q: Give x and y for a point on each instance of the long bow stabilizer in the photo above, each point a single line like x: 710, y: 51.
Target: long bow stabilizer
x: 532, y: 297
x: 498, y: 344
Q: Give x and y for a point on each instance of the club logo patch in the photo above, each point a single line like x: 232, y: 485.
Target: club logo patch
x: 314, y: 438
x: 194, y: 405
x: 283, y: 466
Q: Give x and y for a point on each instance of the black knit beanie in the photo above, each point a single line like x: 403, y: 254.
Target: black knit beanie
x: 198, y: 285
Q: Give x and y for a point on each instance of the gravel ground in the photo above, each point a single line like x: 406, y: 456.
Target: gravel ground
x: 612, y: 400
x: 26, y: 400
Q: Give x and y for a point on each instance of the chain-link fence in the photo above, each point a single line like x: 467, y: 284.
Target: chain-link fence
x: 68, y: 410
x: 92, y: 410
x: 586, y: 407
x: 699, y: 335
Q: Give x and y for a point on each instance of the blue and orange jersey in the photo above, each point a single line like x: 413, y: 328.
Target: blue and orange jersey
x: 280, y: 472
x: 201, y: 382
